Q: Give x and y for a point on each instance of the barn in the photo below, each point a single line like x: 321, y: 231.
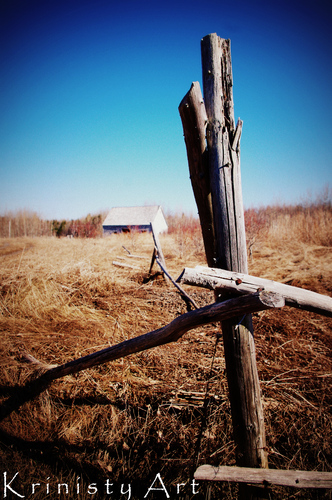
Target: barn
x: 126, y: 219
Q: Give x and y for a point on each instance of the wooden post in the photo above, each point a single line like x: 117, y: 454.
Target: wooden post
x: 225, y: 242
x: 224, y: 154
x: 223, y: 141
x: 194, y: 122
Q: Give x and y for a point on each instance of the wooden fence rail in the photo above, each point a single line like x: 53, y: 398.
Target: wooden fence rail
x: 169, y: 333
x: 240, y: 283
x: 264, y: 477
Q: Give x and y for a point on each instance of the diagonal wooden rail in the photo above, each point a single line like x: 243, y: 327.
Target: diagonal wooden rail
x: 170, y: 333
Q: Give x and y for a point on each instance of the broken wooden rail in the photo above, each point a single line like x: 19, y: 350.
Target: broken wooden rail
x: 124, y: 264
x: 157, y: 252
x: 180, y: 289
x: 218, y: 311
x: 215, y: 279
x: 265, y: 477
x: 159, y: 258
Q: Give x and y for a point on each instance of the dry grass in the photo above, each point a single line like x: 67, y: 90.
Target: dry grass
x: 128, y: 420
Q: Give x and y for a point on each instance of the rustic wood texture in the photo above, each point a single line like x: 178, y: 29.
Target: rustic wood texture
x: 169, y: 333
x: 295, y: 478
x: 182, y: 292
x: 158, y: 252
x: 223, y: 141
x: 240, y: 283
x: 194, y: 122
x: 123, y: 264
x: 153, y: 259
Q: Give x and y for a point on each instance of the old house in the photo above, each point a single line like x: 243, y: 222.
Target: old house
x: 126, y: 219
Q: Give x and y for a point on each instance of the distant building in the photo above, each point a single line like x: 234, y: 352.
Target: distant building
x: 126, y: 219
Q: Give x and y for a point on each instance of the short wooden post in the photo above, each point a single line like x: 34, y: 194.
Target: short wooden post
x: 223, y: 140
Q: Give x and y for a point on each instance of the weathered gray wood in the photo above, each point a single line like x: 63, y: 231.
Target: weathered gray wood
x: 169, y: 333
x: 154, y: 255
x: 295, y: 478
x: 223, y: 141
x: 182, y: 292
x: 238, y: 200
x: 159, y: 251
x: 240, y: 283
x: 132, y: 256
x: 122, y: 264
x: 194, y: 122
x: 126, y: 249
x: 224, y: 161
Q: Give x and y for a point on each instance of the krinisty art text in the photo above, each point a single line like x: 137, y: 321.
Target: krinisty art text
x: 11, y: 486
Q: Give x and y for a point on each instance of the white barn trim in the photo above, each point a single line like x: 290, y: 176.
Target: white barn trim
x: 126, y: 219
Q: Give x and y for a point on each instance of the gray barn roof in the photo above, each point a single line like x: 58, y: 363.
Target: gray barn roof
x: 131, y: 216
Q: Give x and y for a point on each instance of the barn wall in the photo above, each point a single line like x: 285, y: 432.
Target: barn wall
x: 119, y: 229
x: 159, y: 223
x: 157, y: 216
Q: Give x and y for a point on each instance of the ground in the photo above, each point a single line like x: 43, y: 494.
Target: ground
x: 157, y: 414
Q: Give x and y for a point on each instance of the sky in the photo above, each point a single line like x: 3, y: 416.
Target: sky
x: 89, y: 96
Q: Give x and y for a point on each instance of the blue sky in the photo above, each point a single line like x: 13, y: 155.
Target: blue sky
x: 89, y: 96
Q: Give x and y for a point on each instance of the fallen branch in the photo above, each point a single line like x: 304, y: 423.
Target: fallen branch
x: 218, y: 311
x: 213, y: 279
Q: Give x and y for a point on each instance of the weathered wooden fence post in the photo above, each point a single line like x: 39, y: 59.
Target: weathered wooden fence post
x: 229, y: 245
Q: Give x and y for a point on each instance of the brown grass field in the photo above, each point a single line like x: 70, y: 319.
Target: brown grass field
x: 164, y: 410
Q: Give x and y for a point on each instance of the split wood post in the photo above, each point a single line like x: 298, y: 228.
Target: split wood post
x: 223, y: 141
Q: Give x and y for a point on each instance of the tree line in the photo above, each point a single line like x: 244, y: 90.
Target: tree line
x: 311, y: 212
x: 30, y: 224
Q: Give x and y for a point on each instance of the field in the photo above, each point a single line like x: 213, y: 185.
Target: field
x: 165, y: 410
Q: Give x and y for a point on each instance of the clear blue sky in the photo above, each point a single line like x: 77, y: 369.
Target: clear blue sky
x: 89, y: 96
